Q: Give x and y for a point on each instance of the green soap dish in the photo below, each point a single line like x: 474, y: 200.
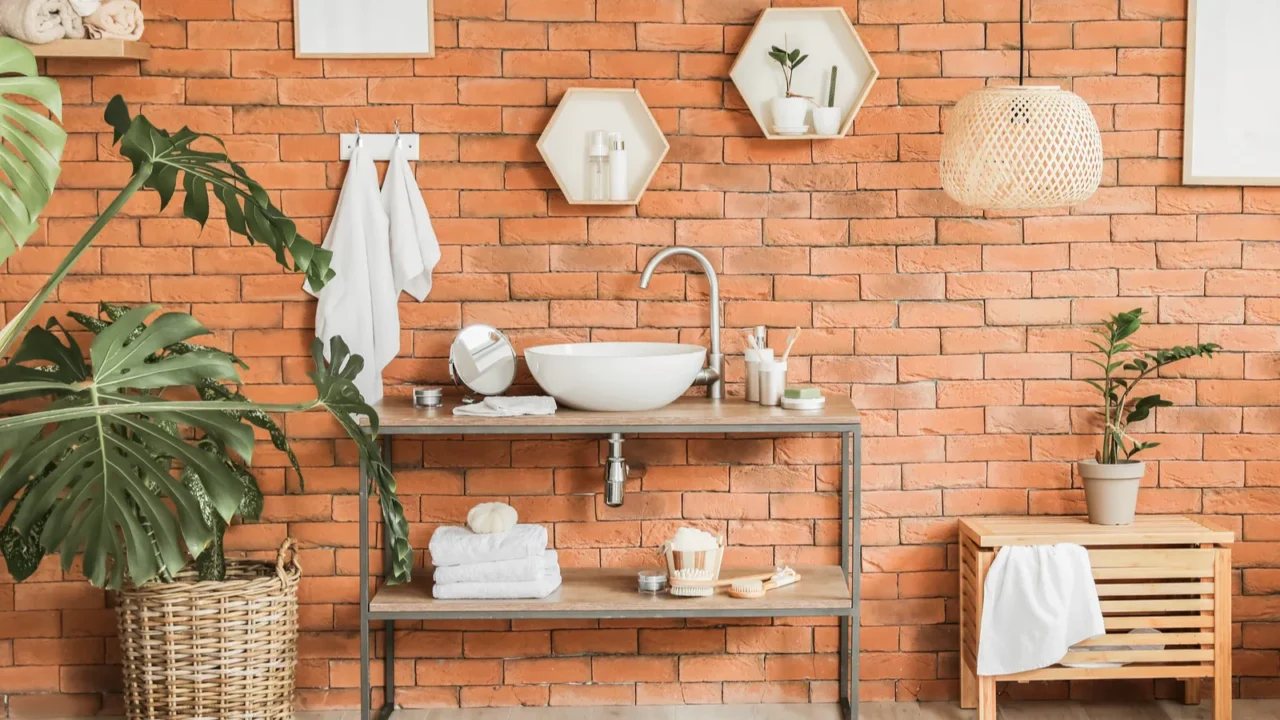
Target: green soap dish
x: 802, y: 393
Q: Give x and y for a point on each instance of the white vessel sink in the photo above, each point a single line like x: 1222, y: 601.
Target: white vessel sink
x: 615, y: 376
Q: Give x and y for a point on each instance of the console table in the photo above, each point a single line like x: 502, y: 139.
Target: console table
x: 1168, y: 573
x: 596, y: 593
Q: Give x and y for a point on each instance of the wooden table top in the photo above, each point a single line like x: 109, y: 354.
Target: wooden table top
x: 1044, y: 530
x: 399, y: 416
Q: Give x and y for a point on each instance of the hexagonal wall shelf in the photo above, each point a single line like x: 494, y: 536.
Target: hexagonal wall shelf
x: 827, y: 36
x: 565, y: 142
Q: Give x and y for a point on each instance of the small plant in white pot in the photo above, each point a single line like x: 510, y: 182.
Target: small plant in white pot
x: 1112, y: 478
x: 826, y: 120
x: 789, y: 110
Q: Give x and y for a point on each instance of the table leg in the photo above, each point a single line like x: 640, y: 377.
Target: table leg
x: 986, y: 698
x: 968, y: 679
x: 1191, y: 691
x: 366, y: 699
x: 1222, y: 635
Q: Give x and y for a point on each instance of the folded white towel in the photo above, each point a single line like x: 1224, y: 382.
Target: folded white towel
x: 1038, y: 601
x: 509, y: 406
x: 522, y: 570
x: 452, y: 545
x: 527, y: 590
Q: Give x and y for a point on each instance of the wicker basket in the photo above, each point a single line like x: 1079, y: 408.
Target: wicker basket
x: 706, y: 563
x: 226, y: 649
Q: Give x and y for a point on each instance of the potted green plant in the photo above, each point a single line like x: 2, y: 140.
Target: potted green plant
x: 826, y: 120
x: 1112, y: 477
x: 789, y: 110
x: 134, y: 455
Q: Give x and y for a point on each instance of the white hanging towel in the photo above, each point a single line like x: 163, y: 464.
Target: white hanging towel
x: 1038, y: 601
x: 359, y: 303
x: 414, y: 248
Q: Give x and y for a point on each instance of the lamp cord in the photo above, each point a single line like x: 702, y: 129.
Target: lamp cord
x: 1022, y: 9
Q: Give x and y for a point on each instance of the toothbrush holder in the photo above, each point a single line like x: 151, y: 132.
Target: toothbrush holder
x: 753, y: 359
x: 773, y: 381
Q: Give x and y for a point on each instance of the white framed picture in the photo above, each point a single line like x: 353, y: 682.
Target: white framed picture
x: 1231, y: 133
x: 363, y: 28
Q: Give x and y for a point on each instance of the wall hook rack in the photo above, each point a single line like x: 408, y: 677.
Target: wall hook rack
x: 379, y: 145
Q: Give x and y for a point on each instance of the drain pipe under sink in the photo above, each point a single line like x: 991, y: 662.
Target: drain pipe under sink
x: 615, y: 472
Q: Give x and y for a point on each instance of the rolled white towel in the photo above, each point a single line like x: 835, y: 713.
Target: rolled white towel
x: 33, y: 21
x: 452, y: 545
x: 116, y: 20
x: 527, y: 590
x: 522, y: 570
x: 73, y: 27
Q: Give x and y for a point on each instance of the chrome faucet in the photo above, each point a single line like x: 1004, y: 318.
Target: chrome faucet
x: 713, y: 374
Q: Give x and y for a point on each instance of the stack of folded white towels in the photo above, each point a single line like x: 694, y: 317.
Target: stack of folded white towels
x: 494, y: 557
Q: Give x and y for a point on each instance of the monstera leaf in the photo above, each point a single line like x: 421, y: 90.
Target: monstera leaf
x: 31, y: 153
x: 166, y: 160
x: 99, y: 471
x: 94, y: 471
x: 160, y: 162
x: 335, y: 380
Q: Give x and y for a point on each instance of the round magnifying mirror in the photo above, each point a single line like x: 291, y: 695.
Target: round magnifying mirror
x: 482, y: 360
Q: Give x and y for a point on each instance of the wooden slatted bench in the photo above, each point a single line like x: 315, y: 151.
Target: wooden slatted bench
x: 1169, y: 573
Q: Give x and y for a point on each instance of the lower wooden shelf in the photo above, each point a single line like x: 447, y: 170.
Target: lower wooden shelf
x: 611, y: 593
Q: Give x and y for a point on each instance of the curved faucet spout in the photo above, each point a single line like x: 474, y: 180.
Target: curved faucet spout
x: 715, y: 360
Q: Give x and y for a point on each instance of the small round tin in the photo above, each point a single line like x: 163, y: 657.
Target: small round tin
x: 651, y: 582
x: 428, y: 397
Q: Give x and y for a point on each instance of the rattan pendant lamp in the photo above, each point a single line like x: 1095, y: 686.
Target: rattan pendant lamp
x: 1021, y: 147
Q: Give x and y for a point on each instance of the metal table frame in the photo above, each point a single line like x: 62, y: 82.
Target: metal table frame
x: 850, y: 551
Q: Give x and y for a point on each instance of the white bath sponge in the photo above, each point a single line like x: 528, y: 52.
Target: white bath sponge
x: 689, y: 539
x: 490, y: 518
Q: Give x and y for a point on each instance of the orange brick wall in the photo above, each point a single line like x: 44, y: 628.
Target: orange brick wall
x: 956, y: 332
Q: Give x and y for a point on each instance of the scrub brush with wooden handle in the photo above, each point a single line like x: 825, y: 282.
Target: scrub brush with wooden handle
x: 754, y: 588
x: 685, y: 583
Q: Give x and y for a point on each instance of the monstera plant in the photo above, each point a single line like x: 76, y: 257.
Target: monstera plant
x: 135, y: 455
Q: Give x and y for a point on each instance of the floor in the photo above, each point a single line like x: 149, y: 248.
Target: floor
x: 1243, y: 710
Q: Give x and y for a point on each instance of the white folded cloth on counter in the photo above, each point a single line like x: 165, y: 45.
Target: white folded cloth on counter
x: 1038, y: 601
x: 116, y: 19
x: 522, y: 570
x: 509, y: 406
x: 526, y: 590
x: 453, y: 545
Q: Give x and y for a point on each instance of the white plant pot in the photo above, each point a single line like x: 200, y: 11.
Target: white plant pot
x: 1111, y: 491
x: 788, y: 112
x: 826, y: 120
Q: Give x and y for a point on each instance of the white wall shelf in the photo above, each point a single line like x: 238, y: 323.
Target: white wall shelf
x: 564, y: 143
x: 827, y: 36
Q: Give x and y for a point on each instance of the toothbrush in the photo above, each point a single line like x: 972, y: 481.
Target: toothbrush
x: 754, y: 588
x: 791, y: 340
